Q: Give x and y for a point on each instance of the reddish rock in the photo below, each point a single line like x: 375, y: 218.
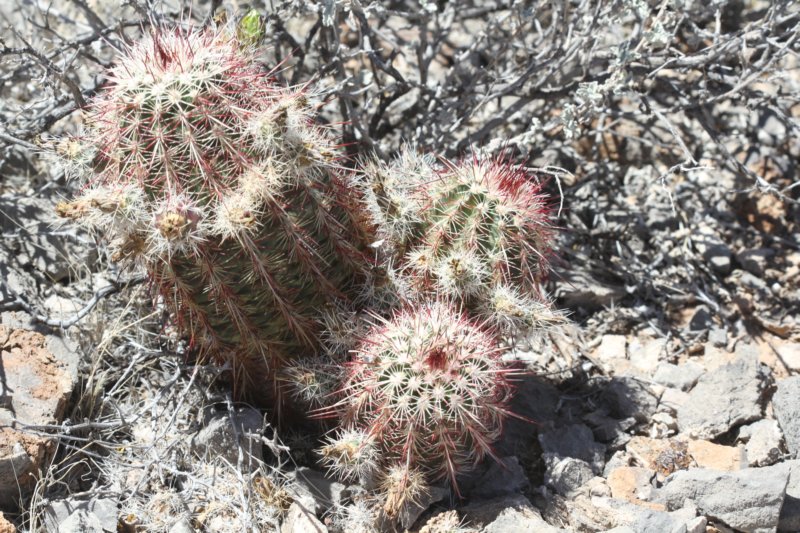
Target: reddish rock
x: 38, y: 374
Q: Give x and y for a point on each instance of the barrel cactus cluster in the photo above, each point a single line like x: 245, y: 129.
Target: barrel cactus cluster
x: 267, y: 248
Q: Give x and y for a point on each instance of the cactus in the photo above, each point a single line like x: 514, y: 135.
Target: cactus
x: 197, y: 164
x: 477, y: 231
x: 429, y: 390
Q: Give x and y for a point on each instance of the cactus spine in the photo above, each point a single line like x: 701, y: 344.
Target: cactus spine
x: 197, y: 164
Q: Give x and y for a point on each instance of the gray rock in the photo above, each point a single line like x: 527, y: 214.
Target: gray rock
x: 514, y: 514
x: 715, y: 252
x: 638, y: 518
x: 502, y: 478
x: 535, y: 399
x: 74, y: 515
x: 730, y: 396
x: 763, y: 442
x: 682, y: 377
x: 315, y: 490
x: 301, y: 520
x: 225, y: 434
x: 612, y: 431
x: 719, y: 258
x: 789, y: 520
x: 516, y: 521
x: 770, y: 130
x: 786, y: 405
x: 82, y: 521
x: 574, y: 441
x: 611, y: 347
x: 628, y: 397
x: 568, y: 475
x: 789, y: 354
x: 645, y: 354
x: 749, y: 500
x: 697, y: 525
x: 755, y: 261
x: 620, y: 458
x: 718, y: 337
x: 412, y: 510
x: 701, y: 320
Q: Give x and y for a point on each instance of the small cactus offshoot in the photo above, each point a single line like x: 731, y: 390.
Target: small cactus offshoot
x: 429, y: 390
x: 472, y: 231
x: 199, y: 166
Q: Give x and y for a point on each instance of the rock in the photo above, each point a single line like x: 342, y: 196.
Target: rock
x: 664, y: 425
x: 611, y: 347
x: 225, y: 434
x: 6, y: 526
x: 672, y: 399
x: 632, y: 484
x: 609, y: 430
x: 763, y: 442
x: 629, y: 397
x: 575, y: 441
x: 770, y: 130
x: 645, y: 354
x: 682, y: 377
x: 755, y: 261
x: 412, y: 510
x: 789, y: 354
x: 786, y: 405
x: 789, y: 520
x: 718, y: 337
x: 516, y: 521
x: 506, y: 477
x: 101, y: 513
x: 301, y: 520
x: 597, y: 486
x: 748, y: 500
x: 715, y: 456
x: 535, y: 399
x: 39, y: 372
x: 724, y: 399
x: 715, y: 252
x: 315, y: 490
x: 513, y: 514
x: 82, y: 521
x: 701, y: 320
x: 720, y: 259
x: 567, y: 475
x: 620, y: 513
x: 696, y: 525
